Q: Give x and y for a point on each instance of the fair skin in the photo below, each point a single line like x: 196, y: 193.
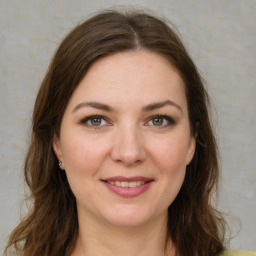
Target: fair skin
x: 126, y: 124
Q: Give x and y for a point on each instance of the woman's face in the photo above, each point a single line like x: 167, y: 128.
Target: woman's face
x: 125, y: 139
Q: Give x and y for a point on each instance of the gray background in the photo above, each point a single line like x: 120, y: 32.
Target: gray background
x: 220, y: 36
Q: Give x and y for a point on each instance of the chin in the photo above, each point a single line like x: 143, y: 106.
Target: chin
x: 128, y: 222
x: 127, y: 216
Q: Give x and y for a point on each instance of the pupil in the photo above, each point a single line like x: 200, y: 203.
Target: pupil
x: 96, y: 121
x: 158, y: 121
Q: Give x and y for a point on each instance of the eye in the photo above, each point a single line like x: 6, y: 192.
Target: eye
x: 158, y: 121
x: 161, y: 121
x: 95, y: 121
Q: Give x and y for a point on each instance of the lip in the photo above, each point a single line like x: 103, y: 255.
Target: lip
x: 122, y: 178
x: 128, y: 192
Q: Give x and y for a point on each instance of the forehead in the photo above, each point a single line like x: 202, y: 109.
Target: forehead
x: 138, y: 76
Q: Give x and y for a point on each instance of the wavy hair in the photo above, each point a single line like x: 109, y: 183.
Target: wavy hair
x: 51, y: 225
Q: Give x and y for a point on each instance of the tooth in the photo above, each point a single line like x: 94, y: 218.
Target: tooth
x: 118, y: 183
x: 132, y: 184
x: 138, y: 183
x: 124, y: 184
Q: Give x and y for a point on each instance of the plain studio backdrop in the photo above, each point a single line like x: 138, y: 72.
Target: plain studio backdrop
x: 220, y: 36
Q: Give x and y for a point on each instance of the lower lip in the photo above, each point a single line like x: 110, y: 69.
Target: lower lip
x: 128, y: 192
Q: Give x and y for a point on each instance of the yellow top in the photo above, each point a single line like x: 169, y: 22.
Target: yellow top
x: 238, y: 253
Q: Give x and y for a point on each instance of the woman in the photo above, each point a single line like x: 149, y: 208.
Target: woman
x: 122, y: 158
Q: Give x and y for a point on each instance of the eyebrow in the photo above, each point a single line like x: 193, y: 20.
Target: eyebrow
x: 94, y: 104
x: 161, y: 104
x: 147, y: 108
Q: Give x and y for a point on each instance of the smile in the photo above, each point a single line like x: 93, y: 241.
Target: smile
x: 128, y: 187
x: 127, y: 184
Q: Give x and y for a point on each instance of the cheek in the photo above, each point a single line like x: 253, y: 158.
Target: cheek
x: 83, y: 155
x: 83, y: 158
x: 171, y: 154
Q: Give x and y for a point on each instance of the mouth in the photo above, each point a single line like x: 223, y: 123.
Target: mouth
x: 128, y: 187
x: 127, y: 184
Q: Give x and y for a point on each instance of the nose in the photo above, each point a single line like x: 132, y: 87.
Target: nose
x: 128, y: 147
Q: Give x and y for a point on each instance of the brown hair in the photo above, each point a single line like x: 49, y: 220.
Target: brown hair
x: 51, y: 226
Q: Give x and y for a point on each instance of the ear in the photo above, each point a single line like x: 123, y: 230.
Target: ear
x: 191, y: 149
x: 57, y: 150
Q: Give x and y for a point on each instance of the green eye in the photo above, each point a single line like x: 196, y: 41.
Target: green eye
x: 157, y: 121
x: 96, y: 121
x: 161, y: 121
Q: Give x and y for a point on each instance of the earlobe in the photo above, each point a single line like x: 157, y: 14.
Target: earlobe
x: 57, y: 150
x: 192, y: 143
x: 191, y: 149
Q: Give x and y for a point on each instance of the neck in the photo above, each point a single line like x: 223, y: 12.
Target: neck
x: 97, y: 239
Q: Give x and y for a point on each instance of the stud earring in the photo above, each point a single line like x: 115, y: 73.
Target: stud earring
x: 60, y: 163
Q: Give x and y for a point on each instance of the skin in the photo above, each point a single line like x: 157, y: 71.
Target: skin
x: 130, y: 141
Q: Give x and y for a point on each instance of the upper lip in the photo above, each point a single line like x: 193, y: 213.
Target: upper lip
x: 122, y: 178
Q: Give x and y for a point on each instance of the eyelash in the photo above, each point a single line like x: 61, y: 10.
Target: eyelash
x: 170, y: 121
x: 90, y: 118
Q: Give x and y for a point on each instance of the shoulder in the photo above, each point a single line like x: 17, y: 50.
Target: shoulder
x: 238, y: 253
